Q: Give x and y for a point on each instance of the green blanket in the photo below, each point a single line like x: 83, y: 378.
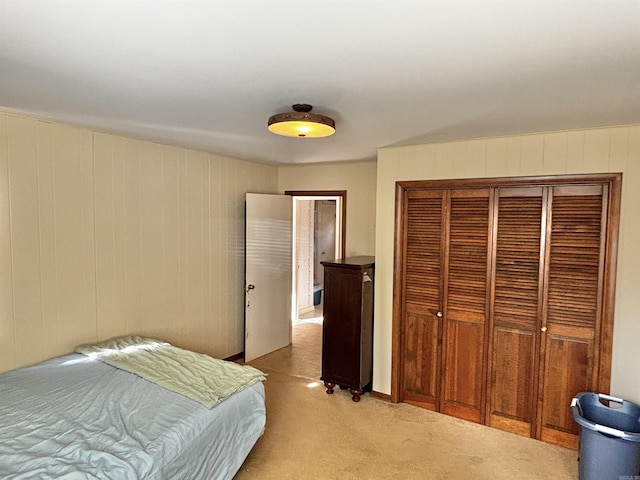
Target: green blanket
x: 202, y: 378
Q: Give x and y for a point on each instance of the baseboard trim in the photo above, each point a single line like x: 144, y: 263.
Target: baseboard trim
x: 304, y: 310
x: 381, y: 396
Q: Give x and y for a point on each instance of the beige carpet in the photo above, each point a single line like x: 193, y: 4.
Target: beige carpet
x: 313, y: 435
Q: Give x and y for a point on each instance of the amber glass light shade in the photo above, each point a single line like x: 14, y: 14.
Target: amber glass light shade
x: 301, y: 123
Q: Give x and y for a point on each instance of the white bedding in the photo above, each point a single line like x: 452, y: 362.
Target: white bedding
x: 200, y: 377
x: 77, y: 418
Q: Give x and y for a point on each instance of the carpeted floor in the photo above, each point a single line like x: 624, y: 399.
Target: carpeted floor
x: 312, y: 435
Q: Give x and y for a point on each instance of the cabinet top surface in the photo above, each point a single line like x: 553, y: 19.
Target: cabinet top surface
x: 360, y: 261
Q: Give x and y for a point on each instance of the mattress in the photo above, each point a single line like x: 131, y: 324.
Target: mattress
x: 75, y: 417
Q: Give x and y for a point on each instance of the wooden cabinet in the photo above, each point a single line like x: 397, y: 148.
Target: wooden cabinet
x: 347, y: 331
x: 503, y: 300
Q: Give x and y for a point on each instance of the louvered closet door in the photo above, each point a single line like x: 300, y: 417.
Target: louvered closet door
x: 517, y: 310
x: 504, y: 299
x: 465, y: 307
x: 572, y: 315
x: 422, y: 286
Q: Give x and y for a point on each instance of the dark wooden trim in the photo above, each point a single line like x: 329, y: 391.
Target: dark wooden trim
x: 492, y: 231
x: 329, y: 193
x: 491, y: 285
x: 541, y: 180
x: 609, y: 284
x: 398, y: 301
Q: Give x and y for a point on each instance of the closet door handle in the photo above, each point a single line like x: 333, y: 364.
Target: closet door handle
x: 439, y: 314
x: 543, y: 329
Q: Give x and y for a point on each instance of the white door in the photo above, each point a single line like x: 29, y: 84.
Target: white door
x: 268, y: 250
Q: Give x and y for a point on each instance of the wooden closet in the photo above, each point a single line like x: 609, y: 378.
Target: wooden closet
x: 503, y: 305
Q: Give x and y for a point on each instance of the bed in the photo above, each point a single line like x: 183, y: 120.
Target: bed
x: 80, y: 417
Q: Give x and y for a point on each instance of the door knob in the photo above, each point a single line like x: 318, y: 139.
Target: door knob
x: 439, y: 314
x: 543, y: 329
x: 250, y: 287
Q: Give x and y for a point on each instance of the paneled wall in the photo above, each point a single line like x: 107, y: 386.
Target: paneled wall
x: 584, y: 151
x: 102, y: 235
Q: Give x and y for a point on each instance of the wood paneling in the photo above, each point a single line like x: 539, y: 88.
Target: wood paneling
x: 7, y: 319
x: 102, y: 235
x: 22, y: 166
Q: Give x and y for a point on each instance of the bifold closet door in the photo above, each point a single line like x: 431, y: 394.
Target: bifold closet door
x: 446, y: 248
x: 516, y: 309
x: 423, y: 246
x: 504, y: 299
x: 465, y: 312
x: 572, y: 314
x: 546, y: 307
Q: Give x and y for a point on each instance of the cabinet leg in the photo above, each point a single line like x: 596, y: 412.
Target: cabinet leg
x: 356, y: 394
x: 329, y: 386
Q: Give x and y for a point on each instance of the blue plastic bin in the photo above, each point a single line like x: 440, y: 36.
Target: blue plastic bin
x: 609, y: 437
x: 317, y: 294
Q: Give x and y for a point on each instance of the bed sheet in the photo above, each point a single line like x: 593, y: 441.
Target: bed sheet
x: 78, y: 418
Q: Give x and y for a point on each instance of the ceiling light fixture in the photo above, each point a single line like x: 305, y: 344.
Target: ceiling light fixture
x: 301, y: 123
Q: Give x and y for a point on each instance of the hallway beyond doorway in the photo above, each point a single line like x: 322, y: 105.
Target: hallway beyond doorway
x: 310, y: 316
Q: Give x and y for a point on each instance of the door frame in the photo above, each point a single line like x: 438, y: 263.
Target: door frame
x: 614, y: 182
x: 341, y: 219
x: 342, y: 224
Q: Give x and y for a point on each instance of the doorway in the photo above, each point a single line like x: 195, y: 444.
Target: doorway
x: 318, y: 235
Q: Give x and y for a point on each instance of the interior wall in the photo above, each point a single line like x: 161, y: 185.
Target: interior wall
x: 358, y: 179
x: 304, y: 255
x: 102, y: 235
x: 584, y: 151
x: 325, y: 237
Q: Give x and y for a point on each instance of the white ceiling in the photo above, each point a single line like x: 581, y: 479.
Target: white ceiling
x: 208, y: 74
